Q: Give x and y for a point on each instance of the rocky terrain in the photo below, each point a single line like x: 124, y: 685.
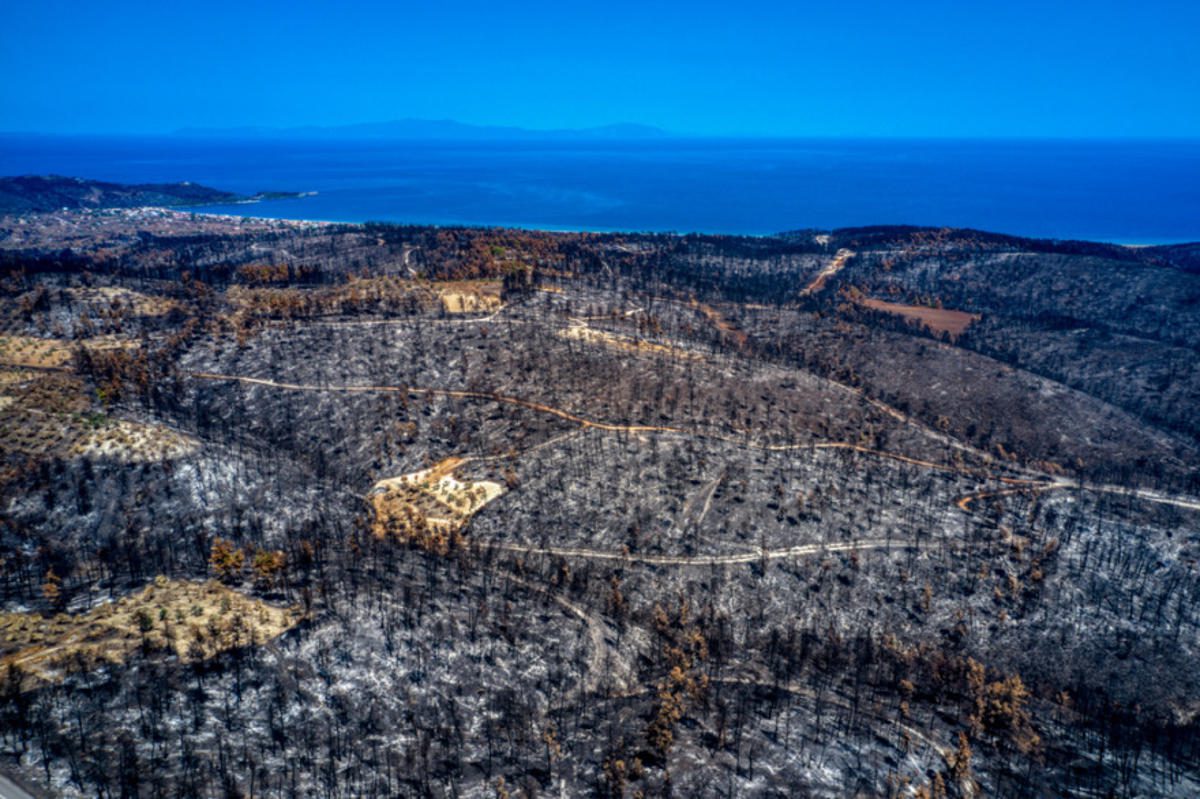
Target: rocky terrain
x: 299, y: 509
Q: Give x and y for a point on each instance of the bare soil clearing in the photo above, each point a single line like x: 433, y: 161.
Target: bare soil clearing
x: 939, y: 320
x: 481, y: 297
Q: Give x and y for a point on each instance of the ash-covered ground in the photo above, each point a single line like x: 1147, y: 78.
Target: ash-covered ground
x: 871, y: 512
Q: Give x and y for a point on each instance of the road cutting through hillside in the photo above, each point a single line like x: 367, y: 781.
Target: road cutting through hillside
x: 783, y: 553
x: 711, y: 560
x: 604, y: 659
x: 608, y: 317
x: 964, y: 503
x: 1039, y: 487
x: 840, y: 259
x: 442, y: 392
x: 1035, y: 480
x: 584, y: 422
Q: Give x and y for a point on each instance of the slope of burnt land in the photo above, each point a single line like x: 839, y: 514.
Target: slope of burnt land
x: 294, y: 508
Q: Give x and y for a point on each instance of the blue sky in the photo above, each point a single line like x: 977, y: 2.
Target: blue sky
x: 856, y: 67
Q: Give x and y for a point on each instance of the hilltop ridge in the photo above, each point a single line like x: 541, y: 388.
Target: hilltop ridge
x: 41, y: 193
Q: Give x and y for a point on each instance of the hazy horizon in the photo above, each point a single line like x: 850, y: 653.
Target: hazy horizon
x: 231, y: 132
x: 858, y: 70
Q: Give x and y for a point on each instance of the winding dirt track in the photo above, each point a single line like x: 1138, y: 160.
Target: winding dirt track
x: 712, y: 560
x: 964, y: 503
x: 1050, y: 484
x: 442, y: 392
x: 603, y: 656
x: 710, y: 490
x: 1043, y: 483
x: 604, y: 659
x: 586, y: 423
x: 1036, y: 481
x: 689, y: 519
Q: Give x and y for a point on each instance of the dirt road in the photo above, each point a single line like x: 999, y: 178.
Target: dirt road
x: 836, y: 265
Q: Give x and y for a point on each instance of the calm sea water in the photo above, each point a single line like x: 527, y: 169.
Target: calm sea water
x: 1133, y: 192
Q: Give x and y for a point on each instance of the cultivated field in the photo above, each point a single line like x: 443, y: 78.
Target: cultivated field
x: 193, y: 620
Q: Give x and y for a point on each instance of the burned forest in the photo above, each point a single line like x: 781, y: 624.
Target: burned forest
x: 305, y: 509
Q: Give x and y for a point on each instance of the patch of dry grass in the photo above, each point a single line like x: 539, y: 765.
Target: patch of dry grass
x: 625, y: 343
x: 14, y: 377
x: 53, y: 353
x: 135, y: 302
x: 41, y: 353
x: 50, y: 414
x: 133, y: 442
x: 192, y: 620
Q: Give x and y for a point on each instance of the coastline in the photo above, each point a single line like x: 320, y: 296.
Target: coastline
x: 1127, y: 192
x: 231, y: 213
x: 547, y: 228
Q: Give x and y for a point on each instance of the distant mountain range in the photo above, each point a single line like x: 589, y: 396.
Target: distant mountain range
x: 430, y: 129
x: 37, y: 193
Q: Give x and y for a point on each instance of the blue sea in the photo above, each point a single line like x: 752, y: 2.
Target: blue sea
x: 1123, y: 191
